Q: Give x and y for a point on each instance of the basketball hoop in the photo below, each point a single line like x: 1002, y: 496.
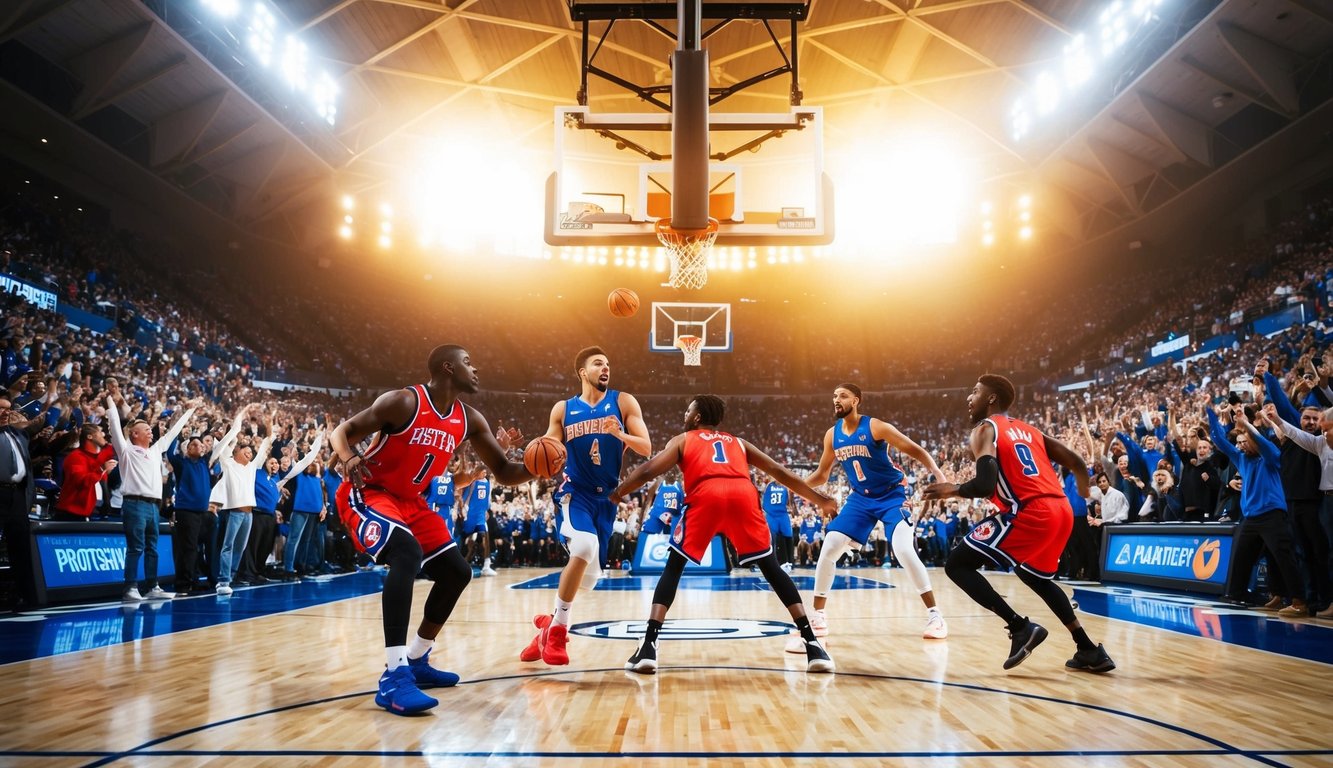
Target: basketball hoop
x: 692, y: 346
x: 688, y: 249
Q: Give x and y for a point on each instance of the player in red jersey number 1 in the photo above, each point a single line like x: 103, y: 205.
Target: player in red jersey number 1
x: 382, y: 505
x: 720, y: 499
x: 1014, y: 470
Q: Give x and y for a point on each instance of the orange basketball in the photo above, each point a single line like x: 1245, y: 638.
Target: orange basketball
x: 623, y: 302
x: 544, y: 457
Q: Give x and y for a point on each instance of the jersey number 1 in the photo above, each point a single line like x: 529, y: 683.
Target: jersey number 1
x: 425, y: 467
x: 719, y: 456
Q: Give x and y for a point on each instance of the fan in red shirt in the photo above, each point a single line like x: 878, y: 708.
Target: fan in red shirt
x: 719, y: 498
x: 1014, y: 470
x: 84, y: 468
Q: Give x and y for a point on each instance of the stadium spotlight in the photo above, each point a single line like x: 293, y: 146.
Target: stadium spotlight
x: 348, y: 203
x: 224, y: 8
x: 345, y: 232
x: 263, y: 27
x: 1025, y: 233
x: 988, y: 239
x: 1046, y: 93
x: 986, y: 208
x: 1025, y: 201
x: 386, y: 210
x: 347, y: 219
x: 294, y: 61
x: 385, y: 241
x: 386, y: 227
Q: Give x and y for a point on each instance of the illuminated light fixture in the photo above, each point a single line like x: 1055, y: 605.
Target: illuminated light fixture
x: 988, y: 239
x: 386, y: 210
x: 772, y: 259
x: 620, y: 260
x: 345, y: 232
x: 601, y: 260
x: 751, y: 264
x: 347, y: 219
x: 348, y: 203
x: 385, y: 241
x: 44, y: 141
x: 294, y: 61
x: 987, y: 225
x: 1025, y: 233
x: 386, y: 227
x: 224, y: 8
x: 1025, y: 201
x: 1025, y: 216
x: 986, y: 208
x: 263, y: 29
x: 1046, y: 92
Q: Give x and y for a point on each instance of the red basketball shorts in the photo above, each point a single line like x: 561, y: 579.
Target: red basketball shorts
x: 371, y: 514
x: 1032, y: 539
x: 731, y: 509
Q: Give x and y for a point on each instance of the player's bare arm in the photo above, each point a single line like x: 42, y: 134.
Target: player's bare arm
x: 490, y: 452
x: 1066, y: 457
x: 635, y: 432
x: 668, y: 458
x: 555, y: 428
x: 389, y: 412
x: 769, y: 466
x: 825, y: 468
x: 882, y: 430
x: 982, y: 442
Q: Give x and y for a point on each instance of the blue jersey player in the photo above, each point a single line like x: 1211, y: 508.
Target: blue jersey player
x: 668, y: 501
x: 877, y: 491
x: 440, y: 498
x: 775, y: 500
x: 475, y: 528
x: 596, y: 426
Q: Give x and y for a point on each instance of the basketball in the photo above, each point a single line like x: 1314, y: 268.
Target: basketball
x: 623, y: 302
x: 544, y: 457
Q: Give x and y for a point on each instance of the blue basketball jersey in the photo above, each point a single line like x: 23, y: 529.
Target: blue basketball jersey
x: 441, y: 492
x: 479, y: 500
x: 866, y: 460
x: 775, y: 500
x: 667, y: 500
x: 593, y: 455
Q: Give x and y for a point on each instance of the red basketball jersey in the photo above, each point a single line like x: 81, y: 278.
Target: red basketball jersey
x: 708, y: 455
x: 403, y: 463
x: 1025, y: 469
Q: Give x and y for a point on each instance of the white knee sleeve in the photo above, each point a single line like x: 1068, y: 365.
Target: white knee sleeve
x: 835, y: 546
x: 905, y: 548
x: 583, y: 545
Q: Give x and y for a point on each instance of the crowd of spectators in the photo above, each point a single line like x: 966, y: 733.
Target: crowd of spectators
x: 1140, y: 432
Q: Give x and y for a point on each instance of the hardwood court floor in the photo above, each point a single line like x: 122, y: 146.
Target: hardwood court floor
x: 254, y: 685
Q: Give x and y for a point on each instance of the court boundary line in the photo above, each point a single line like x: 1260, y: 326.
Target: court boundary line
x: 1219, y: 747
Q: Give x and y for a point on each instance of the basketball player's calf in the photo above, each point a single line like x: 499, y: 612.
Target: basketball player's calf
x: 963, y: 568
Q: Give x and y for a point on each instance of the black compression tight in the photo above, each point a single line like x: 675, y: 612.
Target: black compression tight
x: 665, y: 593
x: 450, y: 574
x: 402, y: 554
x: 963, y: 568
x: 779, y: 580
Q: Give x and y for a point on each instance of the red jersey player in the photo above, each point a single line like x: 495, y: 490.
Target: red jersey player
x: 384, y: 510
x: 1014, y: 470
x: 720, y: 499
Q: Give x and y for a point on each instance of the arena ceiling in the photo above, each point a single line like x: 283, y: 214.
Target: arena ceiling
x: 1219, y: 78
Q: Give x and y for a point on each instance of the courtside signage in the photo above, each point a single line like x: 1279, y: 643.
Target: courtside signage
x: 91, y: 559
x: 652, y: 551
x: 1184, y: 557
x: 685, y: 629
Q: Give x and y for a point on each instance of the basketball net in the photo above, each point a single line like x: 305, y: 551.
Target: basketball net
x: 688, y: 249
x: 693, y: 347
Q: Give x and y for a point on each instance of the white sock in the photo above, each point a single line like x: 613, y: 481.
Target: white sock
x: 419, y: 646
x: 562, y: 611
x: 395, y: 656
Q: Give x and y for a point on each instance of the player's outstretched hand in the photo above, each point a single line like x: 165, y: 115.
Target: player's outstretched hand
x: 827, y: 507
x: 508, y: 438
x: 936, y: 491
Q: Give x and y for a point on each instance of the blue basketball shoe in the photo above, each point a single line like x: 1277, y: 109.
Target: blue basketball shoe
x: 398, y: 693
x: 428, y: 676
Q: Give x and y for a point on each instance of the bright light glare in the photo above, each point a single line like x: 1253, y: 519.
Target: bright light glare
x: 988, y: 239
x: 469, y: 188
x: 912, y: 193
x: 1025, y: 233
x: 295, y: 58
x: 345, y: 232
x: 263, y: 29
x: 1078, y: 62
x: 385, y: 241
x: 1046, y: 92
x: 224, y: 8
x: 1025, y: 201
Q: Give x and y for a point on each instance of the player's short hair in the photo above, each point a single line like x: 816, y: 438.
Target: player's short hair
x: 1001, y: 387
x: 711, y: 409
x: 855, y: 390
x: 581, y: 359
x: 438, y: 356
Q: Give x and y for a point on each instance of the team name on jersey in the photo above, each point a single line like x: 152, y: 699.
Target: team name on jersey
x: 711, y: 436
x: 1018, y: 435
x: 602, y: 426
x: 433, y: 438
x: 851, y: 452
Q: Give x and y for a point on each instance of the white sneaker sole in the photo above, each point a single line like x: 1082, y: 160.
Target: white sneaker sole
x: 643, y: 667
x: 820, y: 665
x: 938, y: 633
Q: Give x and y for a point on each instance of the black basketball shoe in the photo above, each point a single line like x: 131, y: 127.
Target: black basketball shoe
x: 1022, y: 642
x: 1093, y: 660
